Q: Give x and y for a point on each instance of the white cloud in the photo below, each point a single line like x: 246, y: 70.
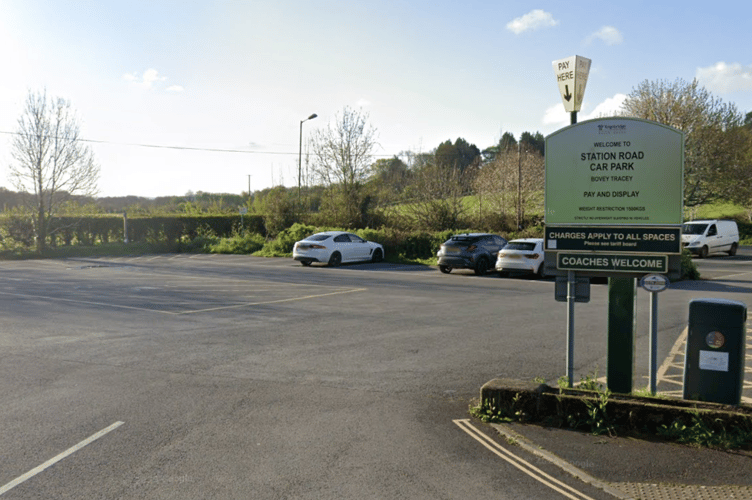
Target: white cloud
x: 146, y: 80
x: 556, y: 115
x: 174, y: 88
x: 533, y: 20
x: 609, y: 107
x: 722, y: 77
x: 608, y: 35
x: 363, y: 103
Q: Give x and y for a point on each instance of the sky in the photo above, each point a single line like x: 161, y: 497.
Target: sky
x: 187, y: 96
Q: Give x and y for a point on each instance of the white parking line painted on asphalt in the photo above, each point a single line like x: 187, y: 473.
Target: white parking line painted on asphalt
x: 103, y: 304
x: 278, y: 301
x: 49, y: 463
x: 233, y: 305
x: 735, y: 275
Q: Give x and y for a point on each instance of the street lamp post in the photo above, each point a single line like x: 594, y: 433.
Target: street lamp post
x: 300, y: 153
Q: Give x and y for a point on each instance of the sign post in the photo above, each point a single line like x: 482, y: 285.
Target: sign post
x: 654, y: 283
x: 613, y: 207
x: 572, y: 71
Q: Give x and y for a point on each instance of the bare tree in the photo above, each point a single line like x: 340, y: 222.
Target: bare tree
x: 51, y: 162
x: 512, y: 182
x: 434, y: 199
x: 342, y: 160
x: 712, y: 128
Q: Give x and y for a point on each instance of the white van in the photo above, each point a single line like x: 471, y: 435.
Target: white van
x: 708, y: 237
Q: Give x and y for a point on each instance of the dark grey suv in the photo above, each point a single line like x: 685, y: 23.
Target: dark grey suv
x: 475, y: 251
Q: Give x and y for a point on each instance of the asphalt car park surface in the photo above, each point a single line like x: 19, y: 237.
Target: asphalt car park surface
x: 240, y: 377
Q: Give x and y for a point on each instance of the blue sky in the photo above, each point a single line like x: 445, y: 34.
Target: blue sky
x: 240, y: 75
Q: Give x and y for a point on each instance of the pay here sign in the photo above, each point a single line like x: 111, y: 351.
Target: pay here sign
x: 612, y: 171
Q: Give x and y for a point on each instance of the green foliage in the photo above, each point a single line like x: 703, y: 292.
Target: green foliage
x: 202, y: 242
x: 533, y: 142
x: 744, y: 224
x: 245, y: 244
x: 460, y: 155
x: 278, y: 207
x: 694, y: 427
x: 282, y: 245
x: 716, y: 210
x: 16, y: 229
x: 590, y: 382
x: 488, y: 413
x: 596, y: 421
x: 689, y: 269
x: 698, y: 430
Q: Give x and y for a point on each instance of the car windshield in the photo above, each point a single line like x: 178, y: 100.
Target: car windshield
x: 694, y: 228
x: 319, y: 237
x: 520, y: 245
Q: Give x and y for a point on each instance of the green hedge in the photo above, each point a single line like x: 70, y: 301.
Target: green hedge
x: 92, y: 230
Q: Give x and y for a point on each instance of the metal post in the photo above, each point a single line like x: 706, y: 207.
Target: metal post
x: 300, y: 160
x: 571, y: 281
x: 125, y: 228
x: 300, y: 155
x: 653, y: 341
x: 621, y: 333
x: 519, y: 186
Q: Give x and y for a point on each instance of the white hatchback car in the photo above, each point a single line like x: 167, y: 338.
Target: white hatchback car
x: 336, y: 247
x: 523, y: 255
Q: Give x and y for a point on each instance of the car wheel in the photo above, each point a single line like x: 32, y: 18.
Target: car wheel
x: 306, y: 263
x: 445, y: 269
x: 703, y: 252
x: 335, y: 259
x: 481, y: 267
x: 732, y: 250
x: 378, y: 255
x: 541, y: 271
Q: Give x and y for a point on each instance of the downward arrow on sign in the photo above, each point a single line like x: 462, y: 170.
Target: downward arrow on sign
x: 567, y: 95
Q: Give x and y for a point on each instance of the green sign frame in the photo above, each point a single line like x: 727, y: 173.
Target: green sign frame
x: 613, y: 171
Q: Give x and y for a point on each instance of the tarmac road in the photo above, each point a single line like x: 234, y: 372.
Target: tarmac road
x: 239, y: 377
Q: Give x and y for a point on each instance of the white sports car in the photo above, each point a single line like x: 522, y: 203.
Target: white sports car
x: 336, y: 247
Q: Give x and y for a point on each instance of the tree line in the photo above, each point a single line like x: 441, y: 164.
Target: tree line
x: 455, y: 185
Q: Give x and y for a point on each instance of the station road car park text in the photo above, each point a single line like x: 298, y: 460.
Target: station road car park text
x: 614, y: 171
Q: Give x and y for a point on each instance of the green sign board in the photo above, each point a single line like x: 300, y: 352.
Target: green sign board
x: 613, y: 263
x: 615, y: 171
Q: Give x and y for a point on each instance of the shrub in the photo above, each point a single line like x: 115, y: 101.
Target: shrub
x: 688, y: 267
x: 282, y: 245
x: 244, y: 244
